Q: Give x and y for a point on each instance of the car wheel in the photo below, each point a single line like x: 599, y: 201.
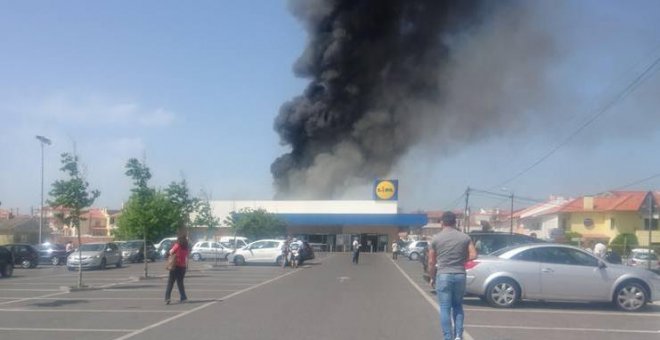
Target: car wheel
x: 71, y: 268
x: 413, y: 256
x: 55, y: 261
x: 103, y: 264
x: 8, y: 270
x: 503, y: 293
x: 119, y: 263
x: 239, y: 260
x: 26, y: 264
x: 630, y: 296
x: 197, y: 257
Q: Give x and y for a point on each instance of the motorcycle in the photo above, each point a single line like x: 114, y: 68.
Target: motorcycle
x: 295, y: 258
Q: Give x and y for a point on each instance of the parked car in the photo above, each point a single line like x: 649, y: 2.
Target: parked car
x: 488, y: 242
x: 133, y: 251
x: 307, y: 252
x: 262, y: 251
x: 95, y: 255
x: 641, y: 257
x: 24, y: 255
x: 556, y: 272
x: 204, y: 250
x: 52, y: 253
x: 232, y: 242
x: 163, y: 247
x: 6, y: 262
x: 415, y: 249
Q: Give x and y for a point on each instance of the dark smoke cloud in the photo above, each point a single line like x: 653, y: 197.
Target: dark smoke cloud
x: 380, y: 73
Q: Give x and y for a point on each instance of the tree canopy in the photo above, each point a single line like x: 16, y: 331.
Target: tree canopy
x: 255, y: 224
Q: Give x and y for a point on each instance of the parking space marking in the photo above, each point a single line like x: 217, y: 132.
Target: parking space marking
x: 18, y: 329
x: 163, y: 290
x: 426, y: 296
x: 541, y: 311
x: 224, y: 298
x: 566, y: 329
x: 85, y: 310
x: 162, y: 322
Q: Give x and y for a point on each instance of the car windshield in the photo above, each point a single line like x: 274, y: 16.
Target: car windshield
x: 92, y: 247
x: 131, y: 244
x: 646, y: 256
x: 499, y: 252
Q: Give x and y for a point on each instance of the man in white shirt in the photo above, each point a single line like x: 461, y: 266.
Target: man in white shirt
x: 356, y: 251
x: 600, y: 250
x: 395, y: 250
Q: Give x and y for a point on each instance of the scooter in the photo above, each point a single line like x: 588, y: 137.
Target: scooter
x: 295, y: 258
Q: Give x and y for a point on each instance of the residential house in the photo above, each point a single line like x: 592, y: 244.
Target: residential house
x: 602, y: 217
x: 542, y: 219
x: 20, y: 229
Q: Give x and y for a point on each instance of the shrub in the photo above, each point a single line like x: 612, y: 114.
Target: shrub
x: 623, y: 243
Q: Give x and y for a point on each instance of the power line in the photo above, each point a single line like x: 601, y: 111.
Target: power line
x: 638, y: 182
x: 622, y: 95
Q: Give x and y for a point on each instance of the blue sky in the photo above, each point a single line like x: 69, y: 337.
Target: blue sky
x: 195, y: 87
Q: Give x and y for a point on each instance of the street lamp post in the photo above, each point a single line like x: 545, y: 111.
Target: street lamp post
x: 511, y: 214
x: 43, y: 141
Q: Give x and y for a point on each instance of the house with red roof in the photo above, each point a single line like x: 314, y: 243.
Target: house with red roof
x: 604, y: 216
x: 541, y: 219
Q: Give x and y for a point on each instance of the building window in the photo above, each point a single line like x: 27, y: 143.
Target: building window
x: 654, y: 224
x: 612, y: 224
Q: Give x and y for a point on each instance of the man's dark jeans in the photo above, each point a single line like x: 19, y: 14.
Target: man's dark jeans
x: 176, y: 275
x: 356, y: 256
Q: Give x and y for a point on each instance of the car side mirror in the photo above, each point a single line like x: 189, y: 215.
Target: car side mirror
x: 601, y: 264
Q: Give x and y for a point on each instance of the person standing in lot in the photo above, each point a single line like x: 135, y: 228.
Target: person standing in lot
x: 356, y: 251
x: 180, y: 251
x: 449, y: 251
x: 395, y: 250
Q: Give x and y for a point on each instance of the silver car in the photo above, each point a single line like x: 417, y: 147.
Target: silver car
x: 208, y: 250
x: 95, y: 255
x: 555, y: 272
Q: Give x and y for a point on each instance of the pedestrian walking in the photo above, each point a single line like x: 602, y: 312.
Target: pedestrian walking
x: 395, y: 250
x: 449, y: 251
x: 600, y: 249
x: 179, y: 254
x: 356, y: 251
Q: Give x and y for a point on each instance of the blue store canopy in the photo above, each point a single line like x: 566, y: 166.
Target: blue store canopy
x: 399, y: 220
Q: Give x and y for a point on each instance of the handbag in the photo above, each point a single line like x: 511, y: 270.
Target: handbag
x: 171, y: 262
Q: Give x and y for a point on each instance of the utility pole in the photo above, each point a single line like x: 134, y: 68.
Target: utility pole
x: 651, y: 202
x: 511, y: 228
x: 42, y: 140
x: 466, y: 216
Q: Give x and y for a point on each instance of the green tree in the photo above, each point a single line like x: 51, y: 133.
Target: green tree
x: 148, y: 212
x: 205, y: 217
x: 182, y: 203
x: 623, y: 243
x: 255, y: 224
x: 73, y: 196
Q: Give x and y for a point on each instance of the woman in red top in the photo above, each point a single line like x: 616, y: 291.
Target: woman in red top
x: 180, y: 250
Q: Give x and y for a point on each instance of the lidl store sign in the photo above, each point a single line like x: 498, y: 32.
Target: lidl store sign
x: 386, y: 190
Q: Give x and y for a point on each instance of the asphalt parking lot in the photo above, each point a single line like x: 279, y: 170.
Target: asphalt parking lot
x: 329, y: 298
x: 536, y: 320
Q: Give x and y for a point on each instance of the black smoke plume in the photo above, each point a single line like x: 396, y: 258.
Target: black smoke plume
x: 375, y: 67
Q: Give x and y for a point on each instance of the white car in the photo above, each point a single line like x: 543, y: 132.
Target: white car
x: 204, y: 250
x: 262, y: 251
x: 641, y: 257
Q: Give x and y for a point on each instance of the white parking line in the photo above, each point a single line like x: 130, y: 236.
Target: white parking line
x: 566, y: 329
x: 162, y: 322
x: 163, y: 290
x: 86, y: 310
x: 541, y: 311
x: 426, y: 296
x: 64, y: 330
